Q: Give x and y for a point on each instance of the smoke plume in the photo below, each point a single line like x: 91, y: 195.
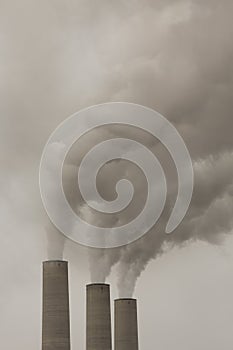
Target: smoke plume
x: 172, y: 56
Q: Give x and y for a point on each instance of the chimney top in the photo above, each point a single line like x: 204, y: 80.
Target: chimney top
x: 97, y: 284
x: 55, y: 261
x: 126, y: 299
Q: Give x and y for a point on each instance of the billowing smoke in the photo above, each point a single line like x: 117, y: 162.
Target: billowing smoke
x: 209, y: 216
x: 167, y: 65
x: 209, y: 219
x: 173, y: 56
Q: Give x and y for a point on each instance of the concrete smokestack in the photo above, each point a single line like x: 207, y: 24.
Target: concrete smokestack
x: 55, y: 320
x: 125, y: 326
x: 98, y: 326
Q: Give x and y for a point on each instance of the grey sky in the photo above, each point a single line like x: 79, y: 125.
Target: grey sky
x: 174, y: 56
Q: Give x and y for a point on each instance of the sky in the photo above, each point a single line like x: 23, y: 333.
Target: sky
x: 173, y: 56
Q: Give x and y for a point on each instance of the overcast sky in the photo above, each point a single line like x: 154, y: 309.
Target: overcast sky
x: 174, y: 56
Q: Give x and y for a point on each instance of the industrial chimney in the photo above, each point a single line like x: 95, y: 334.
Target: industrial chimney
x: 125, y: 326
x: 98, y: 323
x: 55, y: 319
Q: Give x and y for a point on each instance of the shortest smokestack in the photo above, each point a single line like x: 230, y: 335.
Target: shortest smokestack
x: 98, y: 326
x: 125, y: 326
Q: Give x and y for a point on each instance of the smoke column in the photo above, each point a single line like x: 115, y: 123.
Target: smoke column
x: 55, y: 242
x: 209, y: 218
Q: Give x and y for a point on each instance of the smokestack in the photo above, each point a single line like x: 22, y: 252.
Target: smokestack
x: 98, y: 326
x: 125, y: 326
x: 55, y: 320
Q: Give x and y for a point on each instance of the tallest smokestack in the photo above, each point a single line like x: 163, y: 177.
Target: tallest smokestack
x: 55, y: 320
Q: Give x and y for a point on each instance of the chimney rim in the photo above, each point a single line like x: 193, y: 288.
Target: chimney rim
x: 126, y: 299
x: 55, y: 261
x: 97, y: 284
